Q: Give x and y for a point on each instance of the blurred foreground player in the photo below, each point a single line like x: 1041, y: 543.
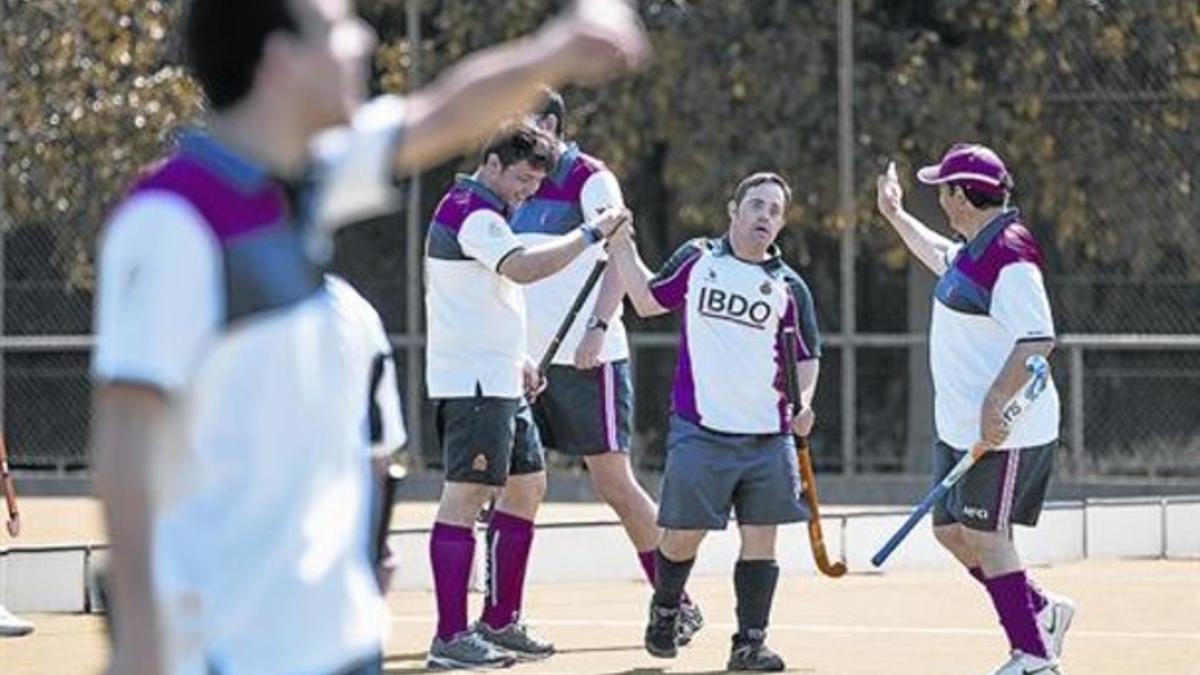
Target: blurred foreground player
x: 235, y: 383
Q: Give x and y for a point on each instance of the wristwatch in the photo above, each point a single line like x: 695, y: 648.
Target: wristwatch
x: 597, y: 322
x: 591, y: 233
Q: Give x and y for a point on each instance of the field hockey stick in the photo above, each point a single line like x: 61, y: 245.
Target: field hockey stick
x: 808, y: 479
x: 552, y: 348
x: 564, y: 327
x: 10, y: 492
x: 1039, y: 369
x: 393, y: 475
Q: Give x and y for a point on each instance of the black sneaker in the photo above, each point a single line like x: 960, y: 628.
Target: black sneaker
x: 750, y: 653
x: 691, y: 620
x: 661, y: 631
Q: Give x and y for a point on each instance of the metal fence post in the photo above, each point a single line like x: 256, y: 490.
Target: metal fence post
x: 846, y: 189
x: 1077, y: 452
x: 414, y: 400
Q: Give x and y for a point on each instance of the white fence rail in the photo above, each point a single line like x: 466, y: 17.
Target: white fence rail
x: 60, y: 578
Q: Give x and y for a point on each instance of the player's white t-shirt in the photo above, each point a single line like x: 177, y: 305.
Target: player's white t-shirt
x: 731, y: 375
x: 991, y: 297
x: 577, y: 190
x: 280, y: 385
x: 475, y: 315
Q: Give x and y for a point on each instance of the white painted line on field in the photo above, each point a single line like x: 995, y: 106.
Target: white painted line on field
x: 819, y: 628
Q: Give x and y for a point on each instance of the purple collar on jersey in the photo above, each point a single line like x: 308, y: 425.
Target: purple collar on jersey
x: 568, y: 152
x: 240, y: 170
x: 476, y: 187
x: 979, y: 243
x: 774, y: 261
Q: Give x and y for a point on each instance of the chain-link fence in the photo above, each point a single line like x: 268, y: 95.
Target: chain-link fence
x: 1091, y: 103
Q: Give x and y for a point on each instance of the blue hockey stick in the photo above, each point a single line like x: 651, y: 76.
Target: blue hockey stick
x: 1040, y: 371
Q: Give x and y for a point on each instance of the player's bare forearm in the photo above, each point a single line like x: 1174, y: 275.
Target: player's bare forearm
x: 528, y: 265
x: 13, y: 517
x: 127, y: 434
x: 807, y: 372
x: 469, y: 101
x: 612, y: 289
x: 589, y: 42
x: 1008, y: 382
x: 1014, y: 374
x: 927, y: 245
x: 635, y: 277
x: 538, y: 262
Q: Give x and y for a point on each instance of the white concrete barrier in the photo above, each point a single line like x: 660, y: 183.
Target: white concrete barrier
x: 48, y: 580
x: 1117, y: 529
x: 1183, y: 528
x: 1058, y: 537
x: 56, y: 579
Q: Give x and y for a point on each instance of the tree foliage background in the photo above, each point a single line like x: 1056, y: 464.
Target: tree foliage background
x: 1091, y: 102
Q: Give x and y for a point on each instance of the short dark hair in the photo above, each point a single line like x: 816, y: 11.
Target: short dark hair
x: 553, y: 104
x: 756, y: 179
x: 515, y: 142
x: 224, y: 39
x: 981, y: 199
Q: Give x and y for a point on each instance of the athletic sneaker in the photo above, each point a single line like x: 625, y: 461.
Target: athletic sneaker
x: 1027, y: 664
x: 467, y: 650
x: 12, y: 626
x: 691, y: 620
x: 516, y: 638
x: 662, y: 631
x: 1054, y: 620
x: 750, y: 652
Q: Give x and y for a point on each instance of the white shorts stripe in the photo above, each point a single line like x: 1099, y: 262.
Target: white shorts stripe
x: 1011, y: 470
x: 610, y: 406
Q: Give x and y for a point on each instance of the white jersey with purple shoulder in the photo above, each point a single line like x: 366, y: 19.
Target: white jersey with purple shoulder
x: 575, y: 191
x: 280, y: 385
x: 476, y: 316
x: 731, y: 375
x: 991, y: 297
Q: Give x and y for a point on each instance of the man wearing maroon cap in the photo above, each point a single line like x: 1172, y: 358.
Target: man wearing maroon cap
x: 990, y: 314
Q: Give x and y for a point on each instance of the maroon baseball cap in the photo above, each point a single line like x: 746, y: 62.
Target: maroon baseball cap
x: 971, y: 165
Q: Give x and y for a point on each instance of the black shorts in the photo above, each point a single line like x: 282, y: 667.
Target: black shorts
x: 485, y: 440
x: 586, y: 412
x: 1004, y: 487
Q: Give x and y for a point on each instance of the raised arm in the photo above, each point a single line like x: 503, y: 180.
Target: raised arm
x: 635, y: 276
x: 590, y: 42
x: 527, y: 265
x: 930, y: 247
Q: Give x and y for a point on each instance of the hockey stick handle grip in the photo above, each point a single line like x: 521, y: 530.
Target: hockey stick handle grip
x: 1040, y: 370
x: 934, y: 496
x: 568, y: 320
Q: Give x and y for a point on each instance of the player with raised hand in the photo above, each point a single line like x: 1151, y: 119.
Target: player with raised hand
x: 479, y: 375
x: 990, y: 315
x: 730, y: 442
x: 586, y: 408
x: 10, y: 625
x: 230, y: 436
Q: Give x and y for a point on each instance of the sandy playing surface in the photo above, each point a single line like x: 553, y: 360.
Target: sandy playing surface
x: 1136, y: 618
